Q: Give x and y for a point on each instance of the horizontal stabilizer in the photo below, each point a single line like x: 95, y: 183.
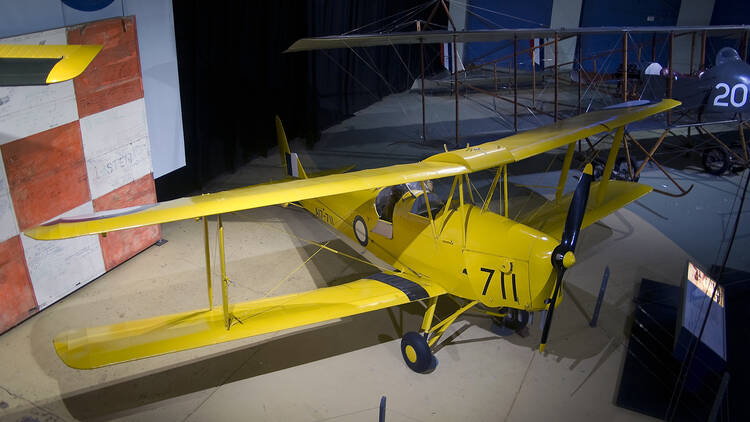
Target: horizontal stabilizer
x: 550, y: 217
x: 89, y: 348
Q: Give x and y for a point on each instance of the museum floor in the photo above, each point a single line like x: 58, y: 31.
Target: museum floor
x: 339, y: 371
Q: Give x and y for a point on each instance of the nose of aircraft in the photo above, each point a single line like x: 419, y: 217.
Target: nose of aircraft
x: 541, y: 270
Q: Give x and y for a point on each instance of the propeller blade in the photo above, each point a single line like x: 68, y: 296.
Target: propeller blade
x: 562, y: 256
x: 551, y: 310
x: 577, y: 209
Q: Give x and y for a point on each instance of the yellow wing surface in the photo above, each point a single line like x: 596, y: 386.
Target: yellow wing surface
x: 43, y: 64
x: 491, y: 154
x: 89, y: 348
x: 550, y: 217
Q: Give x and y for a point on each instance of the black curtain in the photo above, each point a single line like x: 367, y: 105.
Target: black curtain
x: 234, y: 77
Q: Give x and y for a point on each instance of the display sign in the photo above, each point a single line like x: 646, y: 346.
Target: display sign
x: 698, y: 291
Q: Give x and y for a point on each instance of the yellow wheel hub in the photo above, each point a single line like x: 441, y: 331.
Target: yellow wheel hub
x: 411, y: 354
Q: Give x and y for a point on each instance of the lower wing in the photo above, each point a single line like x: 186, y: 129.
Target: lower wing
x: 90, y: 348
x: 550, y: 217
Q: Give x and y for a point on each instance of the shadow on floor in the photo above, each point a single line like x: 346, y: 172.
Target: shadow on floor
x: 279, y: 353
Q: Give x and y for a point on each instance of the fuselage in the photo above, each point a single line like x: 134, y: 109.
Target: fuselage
x: 722, y: 89
x: 490, y: 258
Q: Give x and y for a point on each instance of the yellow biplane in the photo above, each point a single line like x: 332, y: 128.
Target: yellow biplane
x: 437, y: 246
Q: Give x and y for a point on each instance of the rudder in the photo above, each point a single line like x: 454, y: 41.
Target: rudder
x: 289, y: 159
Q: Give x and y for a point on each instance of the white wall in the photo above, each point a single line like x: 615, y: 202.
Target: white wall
x: 692, y: 13
x: 458, y: 14
x: 158, y: 56
x: 565, y: 14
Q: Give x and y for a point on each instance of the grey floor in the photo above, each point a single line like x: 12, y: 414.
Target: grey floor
x: 339, y: 370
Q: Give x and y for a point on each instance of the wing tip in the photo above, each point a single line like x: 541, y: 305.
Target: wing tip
x: 74, y: 63
x: 38, y: 233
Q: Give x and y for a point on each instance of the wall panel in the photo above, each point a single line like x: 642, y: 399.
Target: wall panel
x: 46, y: 174
x: 96, y: 157
x: 16, y: 293
x: 122, y: 245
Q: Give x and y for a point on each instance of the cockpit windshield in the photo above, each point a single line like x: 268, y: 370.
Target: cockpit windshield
x: 416, y: 188
x: 389, y: 196
x: 387, y: 199
x: 420, y: 204
x: 726, y: 55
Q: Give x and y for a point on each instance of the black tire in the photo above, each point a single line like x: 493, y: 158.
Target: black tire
x: 716, y: 161
x: 514, y: 320
x: 416, y: 352
x: 621, y: 170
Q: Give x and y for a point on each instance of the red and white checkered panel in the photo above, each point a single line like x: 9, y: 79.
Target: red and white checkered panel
x: 72, y: 148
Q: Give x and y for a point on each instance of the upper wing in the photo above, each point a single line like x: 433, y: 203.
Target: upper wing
x: 491, y: 35
x: 43, y: 64
x: 550, y: 217
x: 241, y: 199
x: 471, y: 159
x: 99, y: 346
x: 546, y: 138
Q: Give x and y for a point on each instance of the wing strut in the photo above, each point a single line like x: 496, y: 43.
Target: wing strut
x: 429, y: 211
x: 224, y: 279
x: 208, y: 263
x: 610, y: 164
x: 504, y: 171
x: 491, y: 191
x: 505, y: 189
x: 564, y: 172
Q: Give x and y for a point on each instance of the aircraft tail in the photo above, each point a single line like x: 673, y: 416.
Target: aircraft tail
x: 289, y: 159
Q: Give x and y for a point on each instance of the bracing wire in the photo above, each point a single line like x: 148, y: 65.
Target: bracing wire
x: 406, y: 20
x: 391, y: 17
x: 489, y: 23
x: 382, y: 77
x: 360, y: 83
x: 598, y: 77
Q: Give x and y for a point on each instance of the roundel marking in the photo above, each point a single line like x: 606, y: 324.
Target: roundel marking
x: 360, y: 230
x: 87, y: 5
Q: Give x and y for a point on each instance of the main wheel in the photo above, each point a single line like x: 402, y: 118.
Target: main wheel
x: 621, y: 170
x: 416, y: 352
x: 716, y: 161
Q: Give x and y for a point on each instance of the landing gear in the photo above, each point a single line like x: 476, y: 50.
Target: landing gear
x: 716, y: 161
x: 415, y: 347
x: 514, y: 321
x: 621, y: 170
x: 416, y: 352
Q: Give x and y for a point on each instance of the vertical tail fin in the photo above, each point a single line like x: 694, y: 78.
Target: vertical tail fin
x: 289, y: 159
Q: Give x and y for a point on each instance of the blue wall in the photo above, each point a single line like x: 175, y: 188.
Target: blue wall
x: 626, y: 13
x: 727, y: 12
x: 494, y: 15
